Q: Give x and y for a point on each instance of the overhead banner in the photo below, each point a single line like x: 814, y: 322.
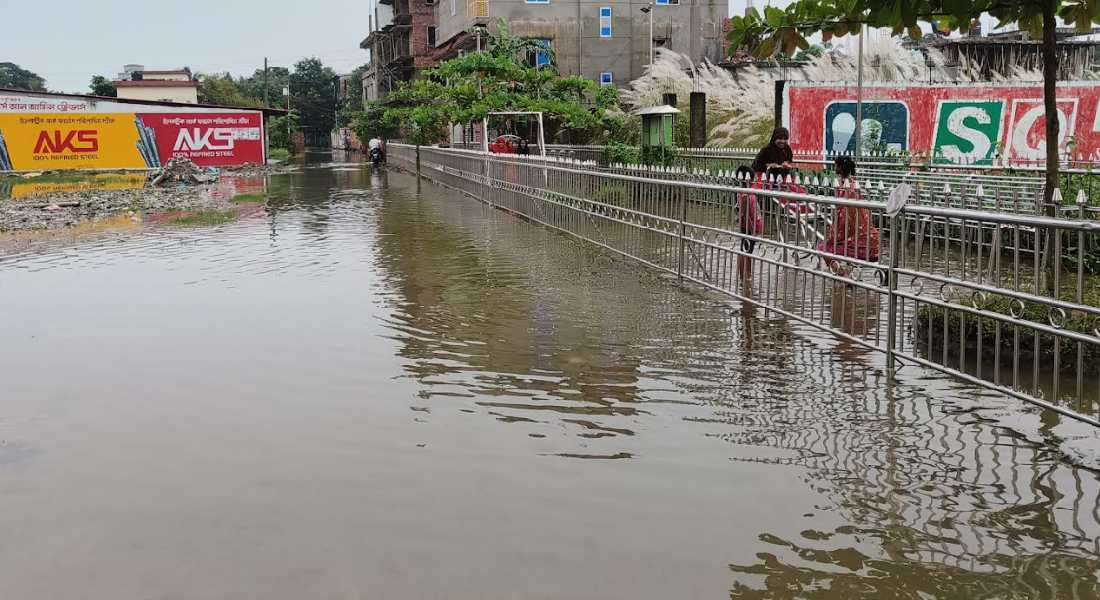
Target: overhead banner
x: 37, y: 134
x: 971, y: 123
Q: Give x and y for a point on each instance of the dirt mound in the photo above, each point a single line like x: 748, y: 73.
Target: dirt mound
x: 182, y: 170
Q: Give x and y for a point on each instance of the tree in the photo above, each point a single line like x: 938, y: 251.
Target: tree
x: 277, y: 79
x: 223, y: 90
x: 504, y: 79
x: 101, y: 86
x: 375, y: 120
x: 313, y: 96
x: 787, y: 29
x: 280, y: 131
x: 14, y: 76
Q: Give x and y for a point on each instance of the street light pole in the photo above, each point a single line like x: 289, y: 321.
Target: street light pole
x: 648, y: 9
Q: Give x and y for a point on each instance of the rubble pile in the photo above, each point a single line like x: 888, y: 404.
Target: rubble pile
x: 71, y: 208
x: 182, y: 170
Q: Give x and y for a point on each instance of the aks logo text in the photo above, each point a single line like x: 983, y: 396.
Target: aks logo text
x: 197, y: 139
x: 78, y: 141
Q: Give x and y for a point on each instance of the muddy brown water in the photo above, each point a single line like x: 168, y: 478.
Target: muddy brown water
x: 365, y: 392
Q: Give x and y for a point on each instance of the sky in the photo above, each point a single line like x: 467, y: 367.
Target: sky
x: 74, y: 40
x: 68, y: 42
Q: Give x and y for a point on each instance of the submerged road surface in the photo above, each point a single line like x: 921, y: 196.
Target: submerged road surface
x: 362, y: 391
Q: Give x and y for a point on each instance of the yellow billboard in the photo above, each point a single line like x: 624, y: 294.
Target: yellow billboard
x: 48, y: 141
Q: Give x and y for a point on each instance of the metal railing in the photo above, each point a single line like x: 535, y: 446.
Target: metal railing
x: 1003, y: 300
x: 1069, y: 164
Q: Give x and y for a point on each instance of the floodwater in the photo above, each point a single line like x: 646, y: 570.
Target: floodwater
x: 362, y: 391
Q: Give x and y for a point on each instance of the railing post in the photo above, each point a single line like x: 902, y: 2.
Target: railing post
x: 892, y: 296
x: 683, y: 218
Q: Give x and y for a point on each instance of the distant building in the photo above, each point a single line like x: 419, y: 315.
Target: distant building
x: 400, y: 43
x: 607, y: 41
x: 137, y: 83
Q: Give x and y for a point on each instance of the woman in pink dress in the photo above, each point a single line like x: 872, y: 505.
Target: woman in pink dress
x: 852, y: 234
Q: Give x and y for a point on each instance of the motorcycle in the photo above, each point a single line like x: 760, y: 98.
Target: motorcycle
x: 377, y: 157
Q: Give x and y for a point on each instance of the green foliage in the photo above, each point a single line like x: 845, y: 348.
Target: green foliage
x: 279, y: 132
x: 277, y: 79
x: 658, y: 156
x: 929, y: 322
x: 14, y: 76
x: 620, y: 153
x: 374, y: 120
x: 205, y: 218
x: 253, y: 198
x: 501, y: 79
x: 313, y: 95
x: 223, y: 89
x: 279, y: 154
x: 101, y: 86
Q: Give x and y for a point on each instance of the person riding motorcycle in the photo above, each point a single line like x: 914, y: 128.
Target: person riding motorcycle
x: 376, y: 149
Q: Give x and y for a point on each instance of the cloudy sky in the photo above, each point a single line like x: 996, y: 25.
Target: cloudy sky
x: 72, y: 40
x: 67, y: 42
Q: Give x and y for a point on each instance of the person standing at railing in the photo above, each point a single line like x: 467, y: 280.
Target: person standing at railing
x: 751, y: 223
x: 852, y: 233
x: 777, y: 158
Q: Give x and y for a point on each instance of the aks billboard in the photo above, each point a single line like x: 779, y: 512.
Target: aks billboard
x: 37, y: 134
x: 965, y: 124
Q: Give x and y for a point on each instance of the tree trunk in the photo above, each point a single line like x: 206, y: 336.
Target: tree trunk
x: 1050, y: 103
x: 1050, y: 106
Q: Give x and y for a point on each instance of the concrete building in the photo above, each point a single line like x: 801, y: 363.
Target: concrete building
x: 606, y: 41
x: 137, y: 83
x: 400, y: 43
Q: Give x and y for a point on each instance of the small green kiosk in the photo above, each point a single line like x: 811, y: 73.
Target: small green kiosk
x: 657, y: 122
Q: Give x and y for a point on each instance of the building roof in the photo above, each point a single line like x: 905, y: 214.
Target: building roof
x: 167, y: 72
x: 156, y: 83
x: 657, y: 110
x: 268, y: 111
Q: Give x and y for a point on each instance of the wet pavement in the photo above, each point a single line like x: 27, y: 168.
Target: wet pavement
x: 365, y: 392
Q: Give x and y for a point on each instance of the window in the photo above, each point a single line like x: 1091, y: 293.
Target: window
x: 537, y: 1
x: 431, y: 36
x: 668, y: 2
x: 540, y: 58
x: 605, y: 21
x: 606, y: 78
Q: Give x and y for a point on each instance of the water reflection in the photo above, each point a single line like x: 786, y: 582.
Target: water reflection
x: 926, y: 500
x: 358, y: 381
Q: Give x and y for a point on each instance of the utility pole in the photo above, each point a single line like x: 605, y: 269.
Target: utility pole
x: 267, y: 144
x: 648, y: 9
x: 859, y: 94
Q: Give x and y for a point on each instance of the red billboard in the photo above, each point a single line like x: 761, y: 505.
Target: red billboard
x: 208, y: 139
x: 966, y: 123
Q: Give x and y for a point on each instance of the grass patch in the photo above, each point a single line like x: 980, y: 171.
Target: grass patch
x: 279, y: 154
x: 205, y: 218
x: 254, y: 197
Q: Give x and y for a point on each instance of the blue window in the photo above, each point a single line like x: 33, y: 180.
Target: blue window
x: 605, y: 21
x: 666, y: 2
x: 606, y: 78
x: 605, y: 11
x: 537, y: 1
x: 542, y: 57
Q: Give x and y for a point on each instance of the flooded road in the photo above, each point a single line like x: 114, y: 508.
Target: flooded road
x: 361, y: 391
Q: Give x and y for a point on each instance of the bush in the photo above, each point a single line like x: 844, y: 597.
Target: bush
x: 279, y: 154
x: 279, y: 132
x: 619, y: 153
